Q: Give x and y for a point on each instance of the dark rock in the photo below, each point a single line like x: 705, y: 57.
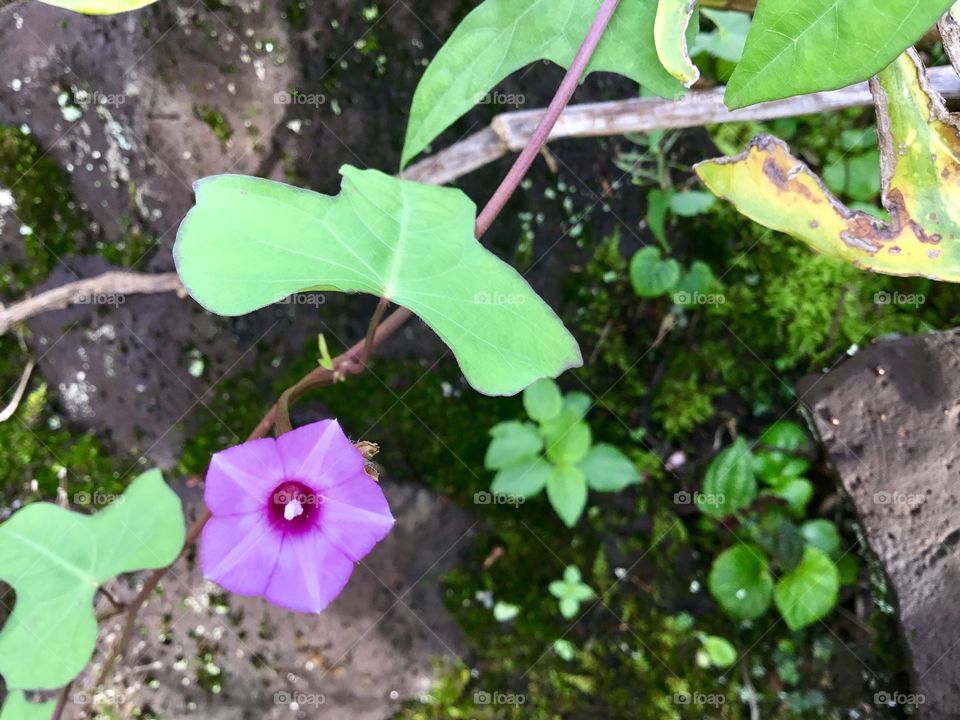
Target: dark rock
x: 889, y: 418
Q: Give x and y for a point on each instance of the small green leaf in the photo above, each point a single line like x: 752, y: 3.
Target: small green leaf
x: 692, y: 203
x: 524, y: 479
x: 607, y: 469
x: 786, y: 435
x: 504, y: 612
x: 543, y: 400
x: 848, y: 569
x: 789, y: 42
x: 325, y: 361
x: 569, y: 607
x: 568, y: 442
x: 250, y: 242
x: 795, y: 491
x: 694, y: 285
x: 99, y: 7
x: 809, y: 591
x: 729, y: 483
x: 658, y: 202
x: 727, y: 40
x: 821, y: 534
x: 651, y: 275
x: 571, y: 591
x: 740, y: 582
x: 782, y: 540
x: 567, y: 492
x: 513, y: 442
x: 721, y: 651
x: 501, y: 36
x: 564, y: 649
x: 56, y: 559
x: 578, y: 404
x: 17, y: 707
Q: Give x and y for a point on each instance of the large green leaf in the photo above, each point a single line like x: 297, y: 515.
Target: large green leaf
x: 920, y: 162
x: 801, y: 47
x: 740, y: 582
x: 809, y: 591
x: 251, y: 242
x: 502, y: 36
x: 18, y: 708
x: 100, y: 7
x: 56, y: 559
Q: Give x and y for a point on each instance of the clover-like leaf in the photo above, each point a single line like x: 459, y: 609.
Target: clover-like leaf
x: 251, y: 242
x: 920, y: 162
x: 17, y: 707
x: 99, y: 7
x: 502, y: 36
x: 56, y: 559
x: 571, y: 591
x: 670, y: 29
x: 801, y: 47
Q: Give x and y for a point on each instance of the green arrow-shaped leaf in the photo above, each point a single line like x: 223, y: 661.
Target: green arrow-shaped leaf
x: 801, y: 47
x: 56, y: 559
x: 502, y: 36
x: 251, y: 242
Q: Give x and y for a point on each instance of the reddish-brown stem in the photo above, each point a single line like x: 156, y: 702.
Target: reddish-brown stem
x: 539, y: 138
x: 354, y: 360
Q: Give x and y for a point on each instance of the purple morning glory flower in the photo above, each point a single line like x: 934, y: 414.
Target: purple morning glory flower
x: 291, y: 516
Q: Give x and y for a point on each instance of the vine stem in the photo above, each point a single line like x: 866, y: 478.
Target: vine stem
x: 354, y: 360
x: 540, y: 136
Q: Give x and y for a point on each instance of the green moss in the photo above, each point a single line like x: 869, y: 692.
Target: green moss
x: 49, y: 221
x: 215, y: 120
x: 39, y: 454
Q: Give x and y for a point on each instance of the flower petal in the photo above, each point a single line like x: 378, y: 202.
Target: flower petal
x: 355, y: 515
x: 319, y: 455
x: 239, y: 552
x: 310, y: 572
x: 241, y: 478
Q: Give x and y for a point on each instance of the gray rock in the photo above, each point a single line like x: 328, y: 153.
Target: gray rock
x: 889, y: 418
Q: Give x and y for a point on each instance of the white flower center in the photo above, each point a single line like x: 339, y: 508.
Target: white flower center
x: 292, y: 509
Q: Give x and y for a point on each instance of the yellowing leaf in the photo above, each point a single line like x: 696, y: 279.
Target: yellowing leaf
x: 920, y: 165
x: 670, y: 37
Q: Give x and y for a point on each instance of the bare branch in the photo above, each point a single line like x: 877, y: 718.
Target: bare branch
x: 86, y: 291
x: 510, y: 131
